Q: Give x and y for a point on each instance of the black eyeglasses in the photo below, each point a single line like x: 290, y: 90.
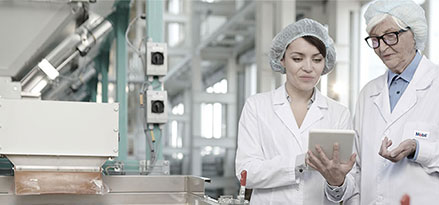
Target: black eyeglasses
x: 389, y: 39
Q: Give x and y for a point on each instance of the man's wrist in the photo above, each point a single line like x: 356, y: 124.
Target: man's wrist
x: 414, y: 145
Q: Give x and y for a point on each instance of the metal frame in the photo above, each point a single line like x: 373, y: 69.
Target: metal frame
x: 121, y: 24
x: 154, y: 30
x: 121, y: 190
x: 154, y: 18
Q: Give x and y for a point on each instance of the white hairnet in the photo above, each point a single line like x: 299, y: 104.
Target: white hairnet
x: 407, y: 11
x: 304, y: 27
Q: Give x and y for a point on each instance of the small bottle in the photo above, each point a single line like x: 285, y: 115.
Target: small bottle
x: 241, y: 195
x: 405, y: 200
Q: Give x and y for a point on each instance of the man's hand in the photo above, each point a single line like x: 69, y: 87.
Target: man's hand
x: 332, y: 170
x: 406, y: 148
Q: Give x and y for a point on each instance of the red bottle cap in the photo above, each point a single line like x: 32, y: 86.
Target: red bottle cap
x: 405, y: 200
x: 243, y: 177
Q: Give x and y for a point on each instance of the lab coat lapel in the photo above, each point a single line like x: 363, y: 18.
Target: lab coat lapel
x: 283, y: 110
x: 315, y: 112
x: 381, y: 98
x: 405, y: 103
x: 422, y: 80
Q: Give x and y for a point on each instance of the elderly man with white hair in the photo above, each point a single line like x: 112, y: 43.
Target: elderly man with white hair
x: 397, y: 119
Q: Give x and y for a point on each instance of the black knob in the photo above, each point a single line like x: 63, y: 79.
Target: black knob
x: 157, y: 106
x: 157, y: 58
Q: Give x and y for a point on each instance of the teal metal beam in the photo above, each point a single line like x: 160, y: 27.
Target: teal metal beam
x: 104, y: 63
x: 154, y: 30
x: 6, y: 167
x: 154, y: 20
x: 157, y: 85
x: 158, y: 141
x: 92, y: 86
x: 121, y: 24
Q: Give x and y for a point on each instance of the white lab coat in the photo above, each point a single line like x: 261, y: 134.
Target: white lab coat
x: 269, y: 141
x: 385, y: 182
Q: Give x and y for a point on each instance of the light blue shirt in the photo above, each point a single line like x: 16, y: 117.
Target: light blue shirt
x: 398, y: 83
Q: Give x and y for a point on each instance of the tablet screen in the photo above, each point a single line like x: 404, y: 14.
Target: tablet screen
x: 326, y: 139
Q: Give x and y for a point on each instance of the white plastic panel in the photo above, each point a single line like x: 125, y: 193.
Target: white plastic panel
x: 157, y: 107
x: 156, y: 66
x: 9, y: 89
x: 34, y: 127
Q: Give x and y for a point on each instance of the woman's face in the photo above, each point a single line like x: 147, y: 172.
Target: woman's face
x: 303, y: 64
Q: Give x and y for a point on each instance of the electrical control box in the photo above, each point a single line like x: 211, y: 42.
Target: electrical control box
x: 156, y: 59
x: 157, y: 107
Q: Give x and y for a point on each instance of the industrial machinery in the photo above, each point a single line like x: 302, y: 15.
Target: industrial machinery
x: 57, y: 148
x: 56, y: 144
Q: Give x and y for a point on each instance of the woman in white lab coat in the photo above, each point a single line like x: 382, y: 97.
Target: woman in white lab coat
x: 397, y: 116
x: 274, y: 126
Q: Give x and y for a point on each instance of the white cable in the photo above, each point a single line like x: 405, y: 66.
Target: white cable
x: 126, y: 36
x: 137, y: 51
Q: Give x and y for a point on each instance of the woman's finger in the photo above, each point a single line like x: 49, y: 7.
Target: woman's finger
x: 321, y: 155
x: 335, y: 153
x: 315, y: 161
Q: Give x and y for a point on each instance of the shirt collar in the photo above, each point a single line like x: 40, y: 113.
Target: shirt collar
x: 408, y: 73
x: 311, y: 100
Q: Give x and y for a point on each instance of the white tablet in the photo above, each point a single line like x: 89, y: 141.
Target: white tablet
x: 326, y: 139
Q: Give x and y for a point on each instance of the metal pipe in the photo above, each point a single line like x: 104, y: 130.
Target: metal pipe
x: 83, y: 78
x: 96, y: 28
x: 78, y: 43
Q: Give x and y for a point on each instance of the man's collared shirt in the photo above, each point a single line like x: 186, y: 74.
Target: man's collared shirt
x: 398, y: 83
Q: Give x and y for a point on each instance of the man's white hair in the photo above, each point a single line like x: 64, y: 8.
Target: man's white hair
x: 380, y: 18
x: 404, y: 12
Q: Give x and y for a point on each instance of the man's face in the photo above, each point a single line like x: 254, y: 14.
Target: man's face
x: 396, y: 57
